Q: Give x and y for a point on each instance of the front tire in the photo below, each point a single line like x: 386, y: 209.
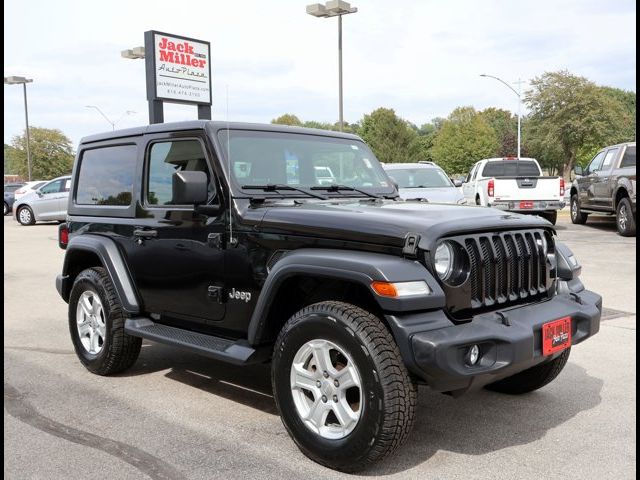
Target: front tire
x: 96, y: 325
x: 25, y: 216
x: 533, y: 378
x: 625, y: 220
x: 577, y: 216
x: 341, y: 387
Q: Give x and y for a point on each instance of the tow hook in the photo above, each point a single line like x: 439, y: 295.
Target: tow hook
x: 505, y: 320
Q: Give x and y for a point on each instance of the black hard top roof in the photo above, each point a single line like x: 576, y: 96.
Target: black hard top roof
x: 215, y: 125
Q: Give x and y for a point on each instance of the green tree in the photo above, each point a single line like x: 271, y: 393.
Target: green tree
x: 390, y: 137
x: 51, y: 154
x: 506, y: 127
x: 570, y: 113
x: 288, y: 119
x: 465, y: 138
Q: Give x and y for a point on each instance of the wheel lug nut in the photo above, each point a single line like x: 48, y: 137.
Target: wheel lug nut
x: 326, y: 374
x: 336, y: 383
x: 324, y: 398
x: 318, y: 384
x: 335, y: 398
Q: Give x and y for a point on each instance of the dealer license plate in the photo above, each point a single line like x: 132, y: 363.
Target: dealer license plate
x: 556, y: 335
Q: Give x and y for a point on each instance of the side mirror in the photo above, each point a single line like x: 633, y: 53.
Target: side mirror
x: 189, y: 188
x: 578, y: 170
x: 39, y: 193
x: 457, y: 183
x: 394, y: 183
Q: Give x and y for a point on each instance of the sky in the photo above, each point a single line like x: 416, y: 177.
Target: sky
x: 422, y: 58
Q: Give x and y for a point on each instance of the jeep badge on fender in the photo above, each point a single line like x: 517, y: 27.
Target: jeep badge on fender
x: 351, y: 293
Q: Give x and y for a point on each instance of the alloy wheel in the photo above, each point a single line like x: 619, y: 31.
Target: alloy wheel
x: 326, y: 388
x: 91, y: 322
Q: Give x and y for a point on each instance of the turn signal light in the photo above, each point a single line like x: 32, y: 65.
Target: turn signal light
x: 401, y: 289
x: 561, y: 187
x: 490, y: 188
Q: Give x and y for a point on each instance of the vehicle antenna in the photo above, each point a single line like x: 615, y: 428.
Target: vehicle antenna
x: 232, y: 241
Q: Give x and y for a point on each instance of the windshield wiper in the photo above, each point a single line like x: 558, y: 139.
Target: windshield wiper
x: 274, y: 187
x: 336, y: 188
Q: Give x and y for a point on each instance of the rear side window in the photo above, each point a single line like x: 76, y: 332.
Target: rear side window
x: 629, y: 159
x: 511, y: 168
x: 106, y: 176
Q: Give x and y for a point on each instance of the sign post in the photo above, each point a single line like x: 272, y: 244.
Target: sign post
x: 178, y: 70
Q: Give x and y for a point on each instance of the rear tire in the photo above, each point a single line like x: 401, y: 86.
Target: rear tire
x: 532, y: 378
x: 100, y: 321
x: 625, y: 220
x: 25, y: 216
x: 550, y: 217
x: 577, y: 216
x: 384, y: 400
x: 7, y: 210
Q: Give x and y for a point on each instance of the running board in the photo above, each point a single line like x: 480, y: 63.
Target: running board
x: 236, y: 352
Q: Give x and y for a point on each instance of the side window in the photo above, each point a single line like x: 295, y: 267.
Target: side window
x: 629, y: 159
x: 53, y: 187
x: 608, y: 159
x: 475, y: 171
x: 165, y: 159
x: 106, y: 176
x: 596, y: 163
x: 67, y: 185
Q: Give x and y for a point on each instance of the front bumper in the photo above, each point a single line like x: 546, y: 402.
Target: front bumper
x: 533, y: 206
x: 510, y: 340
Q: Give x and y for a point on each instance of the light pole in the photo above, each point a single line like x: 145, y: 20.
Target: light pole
x: 16, y: 81
x: 113, y: 124
x: 334, y: 8
x: 517, y: 92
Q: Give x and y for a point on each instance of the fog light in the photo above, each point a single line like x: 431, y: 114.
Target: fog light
x: 472, y: 355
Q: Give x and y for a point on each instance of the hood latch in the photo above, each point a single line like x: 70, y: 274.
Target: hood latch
x: 410, y: 248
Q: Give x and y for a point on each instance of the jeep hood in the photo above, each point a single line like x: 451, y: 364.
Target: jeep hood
x: 388, y: 222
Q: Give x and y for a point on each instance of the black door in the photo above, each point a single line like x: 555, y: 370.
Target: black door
x: 175, y: 259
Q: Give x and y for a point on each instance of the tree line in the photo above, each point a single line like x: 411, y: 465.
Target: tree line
x: 570, y: 118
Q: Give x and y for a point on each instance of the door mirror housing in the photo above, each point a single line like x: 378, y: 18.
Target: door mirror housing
x: 578, y: 170
x: 189, y: 188
x: 457, y: 183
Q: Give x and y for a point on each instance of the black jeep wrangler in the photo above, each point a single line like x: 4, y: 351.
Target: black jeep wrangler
x: 255, y: 243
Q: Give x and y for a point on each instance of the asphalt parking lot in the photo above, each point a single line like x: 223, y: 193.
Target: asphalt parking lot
x: 178, y: 416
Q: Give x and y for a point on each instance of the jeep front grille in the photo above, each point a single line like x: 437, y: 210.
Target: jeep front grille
x: 506, y: 267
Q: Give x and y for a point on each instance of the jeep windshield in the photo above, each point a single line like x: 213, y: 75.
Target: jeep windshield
x: 262, y: 159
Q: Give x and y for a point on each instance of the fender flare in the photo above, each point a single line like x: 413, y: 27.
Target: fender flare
x: 113, y: 262
x: 354, y: 266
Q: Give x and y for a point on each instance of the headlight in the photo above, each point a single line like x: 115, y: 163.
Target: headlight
x: 443, y: 260
x: 451, y: 263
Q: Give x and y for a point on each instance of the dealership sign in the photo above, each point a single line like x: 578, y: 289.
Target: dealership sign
x: 179, y: 71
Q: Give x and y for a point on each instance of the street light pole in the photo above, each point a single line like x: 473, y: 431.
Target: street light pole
x: 341, y: 118
x: 335, y: 8
x: 113, y: 124
x: 26, y: 120
x: 17, y: 81
x: 518, y: 94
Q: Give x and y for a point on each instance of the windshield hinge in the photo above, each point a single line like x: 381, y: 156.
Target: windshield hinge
x: 410, y: 248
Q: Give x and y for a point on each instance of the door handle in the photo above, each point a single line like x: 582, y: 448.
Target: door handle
x: 143, y: 233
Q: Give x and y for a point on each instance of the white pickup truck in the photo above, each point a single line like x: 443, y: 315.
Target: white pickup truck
x: 516, y: 185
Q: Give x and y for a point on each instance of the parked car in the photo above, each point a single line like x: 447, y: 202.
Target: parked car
x: 28, y: 188
x: 607, y: 185
x: 9, y: 195
x: 515, y: 185
x: 424, y: 180
x: 49, y: 202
